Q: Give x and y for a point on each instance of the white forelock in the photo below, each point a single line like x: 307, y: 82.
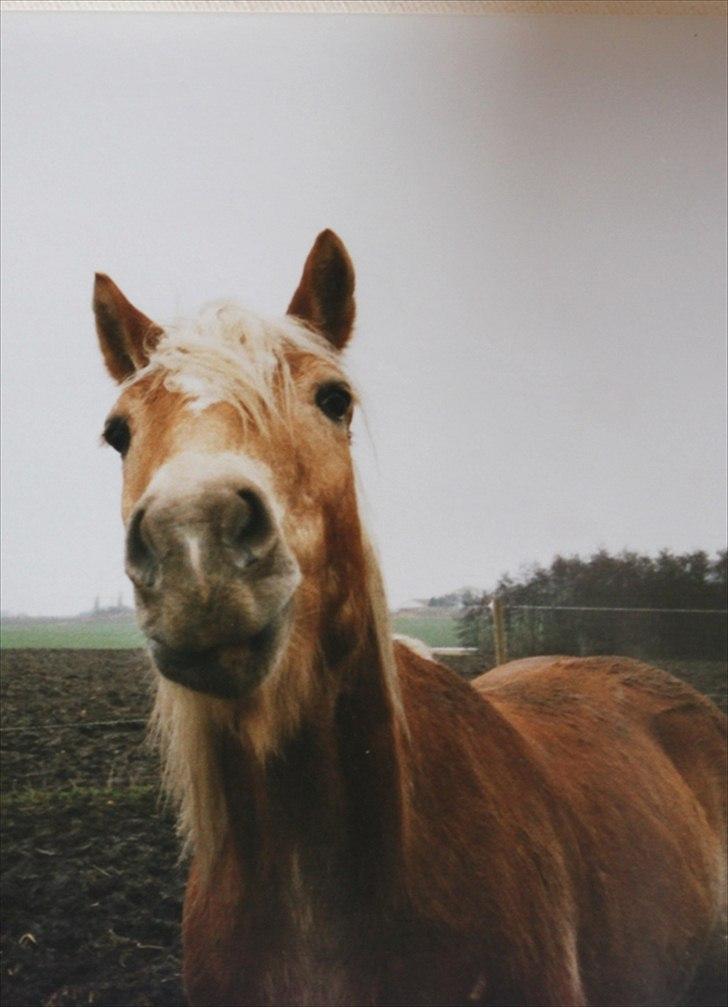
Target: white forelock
x: 229, y: 354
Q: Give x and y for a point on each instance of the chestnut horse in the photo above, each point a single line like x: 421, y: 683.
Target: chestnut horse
x: 366, y: 827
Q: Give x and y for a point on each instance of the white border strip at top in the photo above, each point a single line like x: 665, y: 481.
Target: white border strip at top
x: 641, y: 8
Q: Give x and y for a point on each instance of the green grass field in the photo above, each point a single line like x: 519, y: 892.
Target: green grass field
x: 123, y: 634
x: 75, y: 635
x: 435, y: 632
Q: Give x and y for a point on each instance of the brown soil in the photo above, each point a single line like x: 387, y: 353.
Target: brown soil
x: 91, y: 887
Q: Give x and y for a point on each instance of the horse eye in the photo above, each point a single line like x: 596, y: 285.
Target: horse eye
x: 334, y: 400
x: 117, y: 434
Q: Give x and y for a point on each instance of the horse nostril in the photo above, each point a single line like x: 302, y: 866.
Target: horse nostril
x: 244, y: 515
x: 140, y: 561
x: 249, y: 527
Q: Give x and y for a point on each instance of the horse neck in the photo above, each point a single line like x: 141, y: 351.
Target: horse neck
x: 329, y: 792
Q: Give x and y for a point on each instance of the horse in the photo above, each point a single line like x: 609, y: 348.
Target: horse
x: 366, y: 827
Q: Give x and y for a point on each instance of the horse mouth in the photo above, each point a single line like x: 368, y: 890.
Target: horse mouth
x: 228, y: 671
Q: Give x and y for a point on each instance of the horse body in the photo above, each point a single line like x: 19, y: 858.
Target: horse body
x: 547, y: 846
x: 366, y: 827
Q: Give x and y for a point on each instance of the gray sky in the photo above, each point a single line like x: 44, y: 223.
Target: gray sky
x: 536, y: 210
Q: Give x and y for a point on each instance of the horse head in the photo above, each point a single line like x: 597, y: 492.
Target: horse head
x: 238, y: 500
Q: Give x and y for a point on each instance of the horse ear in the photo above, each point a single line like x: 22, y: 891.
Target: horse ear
x: 126, y: 335
x: 325, y: 294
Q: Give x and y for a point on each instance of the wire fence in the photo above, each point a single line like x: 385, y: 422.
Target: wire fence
x: 646, y: 633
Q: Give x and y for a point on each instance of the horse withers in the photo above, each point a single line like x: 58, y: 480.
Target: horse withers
x: 365, y: 827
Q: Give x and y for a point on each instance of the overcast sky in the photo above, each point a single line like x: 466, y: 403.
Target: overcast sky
x: 536, y: 210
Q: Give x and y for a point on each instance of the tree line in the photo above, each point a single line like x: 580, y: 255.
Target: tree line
x: 555, y: 599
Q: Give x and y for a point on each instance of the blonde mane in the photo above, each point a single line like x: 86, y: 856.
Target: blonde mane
x: 229, y: 354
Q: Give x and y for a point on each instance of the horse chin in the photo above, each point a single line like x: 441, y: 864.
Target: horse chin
x: 229, y: 671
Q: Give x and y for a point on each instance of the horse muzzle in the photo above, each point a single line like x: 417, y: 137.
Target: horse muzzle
x: 214, y: 579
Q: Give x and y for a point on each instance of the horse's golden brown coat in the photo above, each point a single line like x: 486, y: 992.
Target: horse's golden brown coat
x: 551, y: 851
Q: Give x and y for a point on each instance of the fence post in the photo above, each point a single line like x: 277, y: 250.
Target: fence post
x: 499, y: 630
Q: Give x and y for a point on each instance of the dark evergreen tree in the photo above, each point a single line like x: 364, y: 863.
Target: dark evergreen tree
x: 556, y: 609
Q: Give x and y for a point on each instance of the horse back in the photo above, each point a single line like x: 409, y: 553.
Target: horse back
x: 631, y: 697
